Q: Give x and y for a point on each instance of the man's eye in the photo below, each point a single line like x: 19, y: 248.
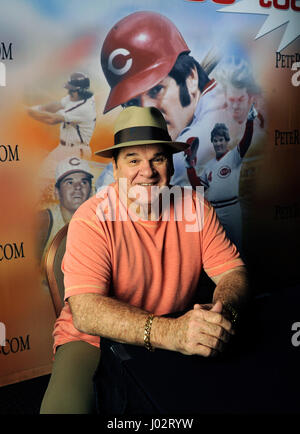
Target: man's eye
x: 133, y: 161
x: 132, y: 102
x: 155, y: 91
x: 159, y: 160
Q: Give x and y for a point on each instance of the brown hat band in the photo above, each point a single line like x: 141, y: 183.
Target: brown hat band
x: 141, y: 133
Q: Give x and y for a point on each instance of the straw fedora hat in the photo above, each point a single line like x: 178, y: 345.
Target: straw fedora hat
x: 137, y: 126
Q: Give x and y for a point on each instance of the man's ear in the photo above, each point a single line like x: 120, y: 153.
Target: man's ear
x: 56, y: 193
x: 89, y: 195
x: 192, y: 82
x: 171, y: 166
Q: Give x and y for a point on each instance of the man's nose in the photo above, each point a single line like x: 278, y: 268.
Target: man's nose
x: 77, y: 185
x: 147, y: 170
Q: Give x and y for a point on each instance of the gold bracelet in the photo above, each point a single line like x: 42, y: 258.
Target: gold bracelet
x: 147, y: 332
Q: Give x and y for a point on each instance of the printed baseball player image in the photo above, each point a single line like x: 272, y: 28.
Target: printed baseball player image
x: 241, y: 91
x: 220, y: 176
x: 145, y: 68
x: 76, y: 114
x: 73, y: 186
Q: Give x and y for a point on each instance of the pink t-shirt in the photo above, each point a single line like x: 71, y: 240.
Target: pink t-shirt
x: 154, y: 265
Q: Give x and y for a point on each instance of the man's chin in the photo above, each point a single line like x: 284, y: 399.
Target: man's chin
x: 77, y: 203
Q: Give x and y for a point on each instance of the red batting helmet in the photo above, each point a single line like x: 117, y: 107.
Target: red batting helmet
x: 138, y: 52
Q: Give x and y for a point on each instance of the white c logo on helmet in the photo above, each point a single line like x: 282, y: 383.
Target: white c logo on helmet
x: 126, y: 67
x: 74, y: 161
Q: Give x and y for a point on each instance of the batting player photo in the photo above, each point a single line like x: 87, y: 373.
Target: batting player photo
x: 76, y: 114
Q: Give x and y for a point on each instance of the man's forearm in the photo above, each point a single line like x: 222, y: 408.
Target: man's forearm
x: 51, y: 107
x: 46, y: 117
x: 199, y: 331
x: 108, y: 317
x: 233, y: 288
x: 247, y: 138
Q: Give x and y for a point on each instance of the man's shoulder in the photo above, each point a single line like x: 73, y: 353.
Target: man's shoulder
x: 89, y: 102
x: 212, y: 99
x: 87, y: 109
x: 80, y: 105
x: 233, y: 156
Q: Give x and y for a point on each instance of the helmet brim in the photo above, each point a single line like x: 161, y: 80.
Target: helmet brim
x: 133, y: 86
x: 71, y: 87
x: 69, y: 172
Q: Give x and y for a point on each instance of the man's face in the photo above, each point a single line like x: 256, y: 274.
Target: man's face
x: 238, y: 102
x: 74, y: 189
x: 220, y: 145
x: 73, y: 95
x: 146, y: 166
x: 165, y: 97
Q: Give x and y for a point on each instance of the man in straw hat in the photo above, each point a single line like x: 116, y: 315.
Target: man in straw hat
x: 123, y: 274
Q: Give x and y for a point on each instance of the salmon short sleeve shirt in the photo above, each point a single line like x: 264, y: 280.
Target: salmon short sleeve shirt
x: 154, y: 265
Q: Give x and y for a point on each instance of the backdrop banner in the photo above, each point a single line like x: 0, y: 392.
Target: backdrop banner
x: 226, y: 76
